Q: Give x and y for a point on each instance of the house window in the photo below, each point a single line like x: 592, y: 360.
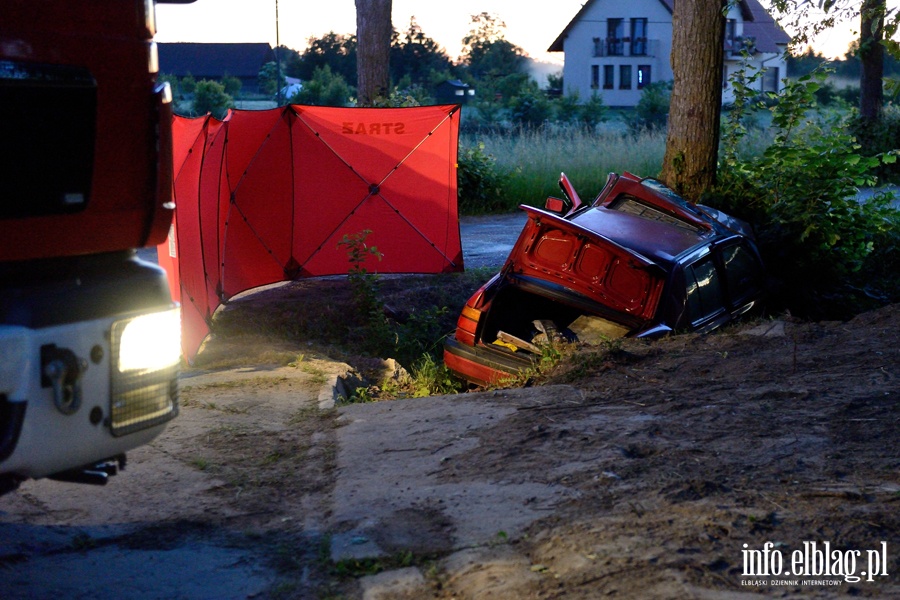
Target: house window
x: 598, y: 47
x: 615, y: 31
x: 731, y: 44
x: 643, y: 75
x: 609, y: 75
x: 770, y: 79
x: 595, y: 76
x: 624, y: 77
x: 639, y: 37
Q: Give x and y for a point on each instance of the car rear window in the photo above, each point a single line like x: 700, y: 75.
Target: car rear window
x: 632, y: 205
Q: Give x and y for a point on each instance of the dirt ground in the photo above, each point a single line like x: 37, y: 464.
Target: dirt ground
x: 656, y: 470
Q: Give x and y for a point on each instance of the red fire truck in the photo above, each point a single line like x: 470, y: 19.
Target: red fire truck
x: 89, y: 335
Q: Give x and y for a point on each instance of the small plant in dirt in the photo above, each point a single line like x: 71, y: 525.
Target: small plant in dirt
x: 376, y: 332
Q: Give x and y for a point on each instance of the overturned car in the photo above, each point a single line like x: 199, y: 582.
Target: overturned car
x: 639, y: 261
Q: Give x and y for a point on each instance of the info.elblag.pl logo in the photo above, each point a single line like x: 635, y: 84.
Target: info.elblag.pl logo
x: 816, y: 560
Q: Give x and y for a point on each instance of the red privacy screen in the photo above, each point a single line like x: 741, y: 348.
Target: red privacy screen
x: 265, y: 196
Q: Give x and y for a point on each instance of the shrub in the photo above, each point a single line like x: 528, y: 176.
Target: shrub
x: 326, y: 88
x: 652, y: 110
x: 879, y: 137
x: 210, y: 97
x: 593, y: 112
x: 530, y: 108
x: 801, y: 195
x: 480, y: 183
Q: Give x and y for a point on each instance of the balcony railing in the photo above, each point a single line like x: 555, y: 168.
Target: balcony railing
x: 625, y: 47
x: 736, y: 46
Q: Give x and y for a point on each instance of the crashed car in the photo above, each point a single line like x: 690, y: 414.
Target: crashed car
x: 639, y: 261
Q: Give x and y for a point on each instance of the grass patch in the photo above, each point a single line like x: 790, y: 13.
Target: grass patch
x: 532, y: 160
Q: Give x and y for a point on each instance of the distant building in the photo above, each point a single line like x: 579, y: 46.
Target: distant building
x: 616, y: 48
x: 453, y: 92
x: 214, y: 61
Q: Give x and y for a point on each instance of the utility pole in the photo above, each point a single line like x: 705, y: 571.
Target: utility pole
x: 277, y: 58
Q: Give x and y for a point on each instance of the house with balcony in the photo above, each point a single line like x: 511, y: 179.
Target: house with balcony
x: 616, y: 49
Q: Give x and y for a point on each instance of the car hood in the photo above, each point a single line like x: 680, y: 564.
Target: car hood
x: 562, y: 253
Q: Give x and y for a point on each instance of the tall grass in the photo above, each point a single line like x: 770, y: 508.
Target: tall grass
x: 532, y: 158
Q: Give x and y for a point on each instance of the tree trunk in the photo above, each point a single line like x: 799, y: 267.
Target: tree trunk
x: 692, y: 143
x: 871, y: 54
x: 373, y: 35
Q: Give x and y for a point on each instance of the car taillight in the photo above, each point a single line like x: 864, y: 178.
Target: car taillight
x: 467, y: 324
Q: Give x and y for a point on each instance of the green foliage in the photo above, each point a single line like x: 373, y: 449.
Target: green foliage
x: 188, y: 84
x: 480, y: 183
x: 337, y: 52
x: 376, y: 334
x: 232, y: 85
x: 879, y: 137
x: 326, y: 88
x: 801, y: 195
x: 555, y: 82
x: 416, y: 56
x: 268, y: 78
x: 530, y: 107
x: 210, y: 97
x: 593, y: 112
x: 567, y: 109
x: 652, y: 110
x: 487, y: 55
x: 413, y: 95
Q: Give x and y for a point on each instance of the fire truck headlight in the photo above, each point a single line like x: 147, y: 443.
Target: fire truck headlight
x: 151, y: 342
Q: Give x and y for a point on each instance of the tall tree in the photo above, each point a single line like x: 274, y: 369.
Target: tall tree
x: 373, y: 33
x: 692, y: 142
x: 336, y: 51
x: 871, y: 54
x: 415, y: 55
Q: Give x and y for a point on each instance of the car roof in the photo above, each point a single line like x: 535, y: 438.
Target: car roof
x: 659, y: 241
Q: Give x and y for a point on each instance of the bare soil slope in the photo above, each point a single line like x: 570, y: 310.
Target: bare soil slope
x: 638, y: 474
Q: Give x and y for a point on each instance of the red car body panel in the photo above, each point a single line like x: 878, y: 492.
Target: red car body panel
x: 551, y: 247
x: 628, y: 259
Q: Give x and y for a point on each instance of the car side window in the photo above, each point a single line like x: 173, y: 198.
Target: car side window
x: 704, y: 290
x: 742, y: 272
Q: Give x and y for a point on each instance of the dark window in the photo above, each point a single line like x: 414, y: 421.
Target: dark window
x: 704, y: 290
x: 615, y: 31
x: 742, y: 273
x: 595, y: 76
x: 624, y: 77
x: 643, y: 75
x: 609, y: 75
x: 639, y: 37
x: 731, y: 44
x: 770, y: 79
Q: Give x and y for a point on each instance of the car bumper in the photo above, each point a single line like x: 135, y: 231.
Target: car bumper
x: 481, y: 365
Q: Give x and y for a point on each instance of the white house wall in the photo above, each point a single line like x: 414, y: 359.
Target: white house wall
x: 580, y: 58
x: 579, y: 50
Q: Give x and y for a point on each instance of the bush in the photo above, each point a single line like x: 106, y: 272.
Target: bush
x: 593, y: 112
x: 801, y: 196
x: 531, y: 108
x: 324, y: 89
x: 879, y: 137
x: 480, y: 182
x: 210, y: 97
x: 652, y: 110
